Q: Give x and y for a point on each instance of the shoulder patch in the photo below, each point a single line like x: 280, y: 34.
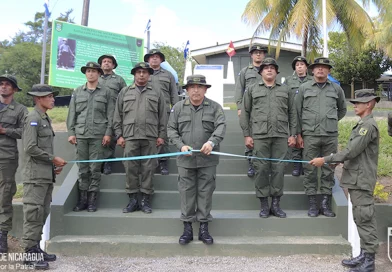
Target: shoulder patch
x: 172, y: 110
x: 33, y: 123
x: 363, y: 131
x: 296, y: 91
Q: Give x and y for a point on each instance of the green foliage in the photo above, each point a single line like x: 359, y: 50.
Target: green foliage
x: 57, y: 114
x: 19, y: 191
x: 379, y: 193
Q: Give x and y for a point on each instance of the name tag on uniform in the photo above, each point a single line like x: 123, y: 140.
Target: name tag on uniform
x: 33, y: 123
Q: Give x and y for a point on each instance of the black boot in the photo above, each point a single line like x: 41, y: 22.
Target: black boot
x: 275, y: 208
x: 353, y: 262
x: 325, y: 206
x: 313, y: 210
x: 368, y: 265
x: 204, y: 235
x: 297, y: 169
x: 251, y: 170
x: 3, y: 241
x: 82, y: 202
x: 164, y: 168
x: 92, y: 202
x: 107, y: 168
x: 145, y: 203
x: 47, y: 257
x: 132, y: 205
x: 264, y: 208
x: 187, y: 236
x: 34, y: 259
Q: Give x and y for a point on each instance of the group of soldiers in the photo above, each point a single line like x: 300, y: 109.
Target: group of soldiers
x: 302, y: 114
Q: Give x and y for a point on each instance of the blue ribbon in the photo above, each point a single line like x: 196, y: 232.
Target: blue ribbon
x: 174, y: 154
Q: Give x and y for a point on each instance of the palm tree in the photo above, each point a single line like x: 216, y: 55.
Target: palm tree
x: 383, y: 24
x: 303, y: 20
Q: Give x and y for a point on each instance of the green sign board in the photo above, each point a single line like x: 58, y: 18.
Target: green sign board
x: 74, y: 45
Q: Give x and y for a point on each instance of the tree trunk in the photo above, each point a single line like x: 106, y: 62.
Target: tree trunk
x: 352, y: 88
x: 305, y: 42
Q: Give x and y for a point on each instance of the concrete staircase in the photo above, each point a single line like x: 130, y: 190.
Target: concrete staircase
x: 236, y: 228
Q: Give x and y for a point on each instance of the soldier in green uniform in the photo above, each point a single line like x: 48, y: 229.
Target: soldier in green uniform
x: 247, y: 77
x: 39, y: 172
x: 267, y: 119
x: 139, y: 124
x: 198, y: 123
x: 115, y: 83
x: 89, y: 124
x: 164, y: 81
x: 360, y: 159
x: 320, y: 104
x: 300, y: 76
x: 12, y: 116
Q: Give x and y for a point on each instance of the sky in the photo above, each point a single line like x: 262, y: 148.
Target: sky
x: 203, y: 22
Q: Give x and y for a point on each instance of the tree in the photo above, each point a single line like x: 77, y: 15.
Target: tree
x: 303, y: 20
x: 365, y: 65
x: 383, y: 24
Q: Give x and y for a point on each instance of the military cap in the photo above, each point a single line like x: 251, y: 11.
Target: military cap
x: 12, y: 79
x: 91, y: 65
x: 42, y: 90
x: 107, y: 56
x: 196, y: 79
x: 153, y: 52
x: 321, y: 61
x: 257, y: 46
x: 299, y: 58
x: 142, y: 65
x: 364, y: 96
x: 269, y: 61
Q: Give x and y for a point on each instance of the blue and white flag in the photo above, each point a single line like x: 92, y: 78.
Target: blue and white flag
x: 186, y: 50
x: 46, y: 5
x: 148, y: 26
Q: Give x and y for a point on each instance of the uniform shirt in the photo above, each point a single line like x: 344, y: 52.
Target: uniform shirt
x: 164, y: 81
x: 140, y: 114
x: 294, y: 82
x: 38, y: 148
x: 360, y: 157
x: 319, y: 109
x: 11, y: 118
x: 269, y: 111
x: 90, y: 113
x: 195, y: 127
x: 390, y: 123
x: 113, y: 82
x: 247, y: 77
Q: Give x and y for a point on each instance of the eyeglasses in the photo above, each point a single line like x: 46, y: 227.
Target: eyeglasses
x: 257, y: 52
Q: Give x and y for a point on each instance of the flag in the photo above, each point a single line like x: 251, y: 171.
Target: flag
x: 148, y: 26
x: 46, y: 5
x: 186, y: 50
x: 230, y: 50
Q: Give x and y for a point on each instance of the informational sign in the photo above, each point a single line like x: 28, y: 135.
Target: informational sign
x: 214, y: 77
x: 74, y: 45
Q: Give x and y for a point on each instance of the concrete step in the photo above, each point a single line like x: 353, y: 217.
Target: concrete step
x: 225, y: 166
x: 231, y: 223
x: 225, y: 200
x: 234, y: 182
x: 165, y: 246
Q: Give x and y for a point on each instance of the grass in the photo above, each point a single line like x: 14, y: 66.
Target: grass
x: 19, y: 191
x: 58, y: 114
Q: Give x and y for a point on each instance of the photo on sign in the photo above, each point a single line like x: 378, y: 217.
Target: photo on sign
x: 66, y: 54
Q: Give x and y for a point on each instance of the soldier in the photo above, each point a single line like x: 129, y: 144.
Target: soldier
x: 39, y: 172
x: 11, y: 123
x: 300, y: 76
x: 115, y: 83
x: 89, y: 124
x: 320, y: 104
x: 248, y: 76
x: 196, y: 122
x: 164, y: 81
x: 267, y: 119
x: 360, y: 159
x: 140, y: 127
x: 64, y: 55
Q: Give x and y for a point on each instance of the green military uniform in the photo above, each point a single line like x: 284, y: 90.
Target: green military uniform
x: 294, y: 82
x: 390, y: 124
x: 197, y: 173
x: 247, y: 77
x: 90, y: 118
x: 11, y: 119
x: 38, y: 174
x: 140, y: 118
x: 268, y: 116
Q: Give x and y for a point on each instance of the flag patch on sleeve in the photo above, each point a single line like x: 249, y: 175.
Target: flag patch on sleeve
x: 33, y: 123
